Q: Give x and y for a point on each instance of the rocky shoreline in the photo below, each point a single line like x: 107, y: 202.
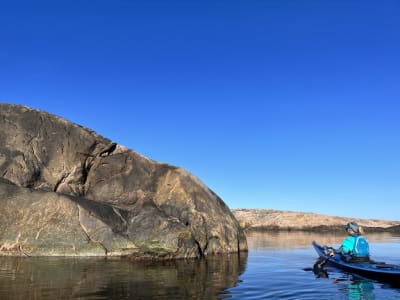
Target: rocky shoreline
x: 278, y: 220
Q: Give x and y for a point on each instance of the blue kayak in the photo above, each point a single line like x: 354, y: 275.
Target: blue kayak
x: 380, y: 271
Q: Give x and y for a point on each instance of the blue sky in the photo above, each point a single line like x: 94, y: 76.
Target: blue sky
x: 281, y: 104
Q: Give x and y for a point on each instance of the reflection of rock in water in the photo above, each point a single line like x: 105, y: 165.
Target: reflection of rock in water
x: 88, y: 278
x: 289, y: 239
x: 318, y: 268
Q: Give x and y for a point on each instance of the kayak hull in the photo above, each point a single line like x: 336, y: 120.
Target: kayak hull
x: 386, y: 273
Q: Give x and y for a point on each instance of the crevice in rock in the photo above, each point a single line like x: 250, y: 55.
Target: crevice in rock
x: 108, y: 151
x: 205, y: 247
x: 208, y: 242
x: 89, y: 239
x: 118, y: 213
x: 87, y: 165
x: 83, y: 227
x: 85, y: 174
x: 22, y: 251
x: 34, y: 152
x: 34, y: 179
x: 201, y: 254
x: 60, y: 181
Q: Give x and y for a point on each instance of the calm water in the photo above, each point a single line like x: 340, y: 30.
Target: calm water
x: 275, y: 268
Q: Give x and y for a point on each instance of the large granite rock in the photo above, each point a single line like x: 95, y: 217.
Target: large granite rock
x: 65, y: 190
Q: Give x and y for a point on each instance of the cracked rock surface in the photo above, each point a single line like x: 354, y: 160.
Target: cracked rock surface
x: 65, y: 190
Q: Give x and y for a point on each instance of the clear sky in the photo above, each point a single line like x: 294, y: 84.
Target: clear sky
x: 281, y: 104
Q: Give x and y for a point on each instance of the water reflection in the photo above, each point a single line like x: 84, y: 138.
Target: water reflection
x: 359, y: 289
x: 274, y: 269
x: 91, y: 278
x: 355, y: 288
x: 289, y: 239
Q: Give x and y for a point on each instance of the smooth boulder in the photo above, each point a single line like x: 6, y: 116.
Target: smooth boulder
x: 65, y: 190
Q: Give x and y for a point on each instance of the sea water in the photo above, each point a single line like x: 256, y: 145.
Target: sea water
x: 277, y: 266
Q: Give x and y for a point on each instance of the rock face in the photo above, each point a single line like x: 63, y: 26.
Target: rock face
x: 65, y: 190
x: 268, y: 219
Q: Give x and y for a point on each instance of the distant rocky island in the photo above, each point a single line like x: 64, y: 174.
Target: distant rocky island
x: 276, y: 220
x: 67, y: 191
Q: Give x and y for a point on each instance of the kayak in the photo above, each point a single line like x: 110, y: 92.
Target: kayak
x: 380, y: 271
